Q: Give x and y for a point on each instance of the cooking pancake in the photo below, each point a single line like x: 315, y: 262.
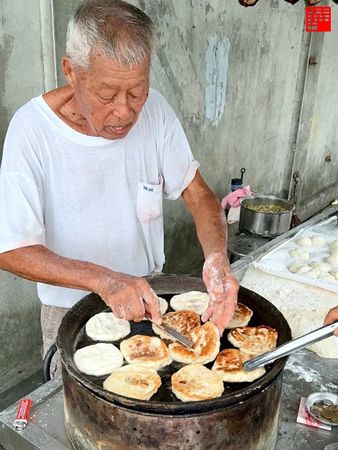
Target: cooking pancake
x: 195, y: 382
x: 241, y: 318
x: 253, y: 340
x: 229, y: 364
x: 105, y: 326
x: 163, y: 305
x: 206, y: 346
x: 98, y: 359
x: 133, y: 381
x: 148, y: 351
x: 194, y: 300
x: 181, y: 321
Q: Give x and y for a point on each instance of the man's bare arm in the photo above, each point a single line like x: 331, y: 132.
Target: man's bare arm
x: 129, y: 297
x: 208, y: 215
x: 212, y: 233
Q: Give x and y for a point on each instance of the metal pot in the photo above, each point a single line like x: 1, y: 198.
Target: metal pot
x: 266, y: 224
x: 245, y: 416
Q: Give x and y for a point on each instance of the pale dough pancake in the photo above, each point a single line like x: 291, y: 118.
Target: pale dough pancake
x: 229, y: 364
x: 148, y: 351
x: 194, y: 300
x: 133, y: 381
x: 182, y: 321
x: 163, y: 305
x: 206, y: 346
x: 253, y: 340
x: 195, y: 383
x: 241, y: 318
x: 98, y: 359
x: 105, y: 326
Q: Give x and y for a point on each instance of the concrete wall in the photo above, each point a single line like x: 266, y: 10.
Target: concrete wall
x: 22, y: 76
x: 239, y: 80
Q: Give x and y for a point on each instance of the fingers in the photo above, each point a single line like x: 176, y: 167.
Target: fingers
x: 152, y: 305
x: 222, y: 314
x: 331, y: 317
x: 118, y: 310
x: 207, y: 313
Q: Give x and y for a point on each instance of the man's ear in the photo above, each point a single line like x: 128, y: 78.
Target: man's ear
x: 68, y: 71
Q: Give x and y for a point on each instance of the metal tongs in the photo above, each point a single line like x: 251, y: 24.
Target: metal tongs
x: 291, y: 347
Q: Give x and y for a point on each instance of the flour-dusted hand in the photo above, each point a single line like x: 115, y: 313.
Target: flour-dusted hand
x: 332, y: 316
x: 222, y: 287
x: 130, y: 298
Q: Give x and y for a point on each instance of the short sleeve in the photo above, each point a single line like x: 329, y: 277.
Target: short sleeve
x: 21, y: 198
x: 179, y: 165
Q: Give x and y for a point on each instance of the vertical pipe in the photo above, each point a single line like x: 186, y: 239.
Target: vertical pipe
x: 48, y: 44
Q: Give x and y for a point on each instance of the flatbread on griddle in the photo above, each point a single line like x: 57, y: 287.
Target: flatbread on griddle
x: 105, y: 326
x: 163, y: 304
x: 241, y: 318
x: 253, y: 340
x: 195, y: 383
x: 206, y: 346
x: 134, y: 381
x: 182, y: 321
x: 194, y: 300
x: 98, y: 359
x: 229, y: 364
x: 148, y: 351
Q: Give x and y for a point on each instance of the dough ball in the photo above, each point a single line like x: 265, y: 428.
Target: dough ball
x: 303, y: 269
x: 294, y: 267
x: 322, y: 266
x: 333, y: 259
x: 299, y: 268
x: 335, y: 274
x: 299, y: 254
x: 314, y: 273
x: 304, y: 242
x: 317, y: 240
x: 326, y: 276
x: 334, y: 246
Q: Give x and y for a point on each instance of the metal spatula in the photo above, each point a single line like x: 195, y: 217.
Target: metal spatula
x: 174, y: 334
x: 291, y: 347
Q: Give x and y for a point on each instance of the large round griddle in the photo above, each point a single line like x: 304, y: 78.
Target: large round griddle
x: 72, y: 336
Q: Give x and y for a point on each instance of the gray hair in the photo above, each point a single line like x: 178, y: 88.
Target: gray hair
x: 117, y: 29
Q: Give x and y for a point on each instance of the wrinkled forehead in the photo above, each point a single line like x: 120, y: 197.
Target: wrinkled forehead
x: 105, y: 71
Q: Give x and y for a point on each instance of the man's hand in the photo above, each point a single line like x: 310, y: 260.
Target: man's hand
x: 332, y: 316
x: 222, y: 287
x: 130, y: 298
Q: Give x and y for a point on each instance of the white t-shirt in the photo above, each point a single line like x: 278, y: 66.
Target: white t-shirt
x: 91, y: 198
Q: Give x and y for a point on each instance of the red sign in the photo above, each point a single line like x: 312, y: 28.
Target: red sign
x: 317, y: 18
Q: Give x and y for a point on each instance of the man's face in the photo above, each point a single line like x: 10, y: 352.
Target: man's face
x: 110, y: 96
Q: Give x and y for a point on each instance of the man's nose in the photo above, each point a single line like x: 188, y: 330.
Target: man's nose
x: 121, y: 109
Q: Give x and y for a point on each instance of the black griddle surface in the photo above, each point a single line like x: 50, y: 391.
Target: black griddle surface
x: 164, y: 393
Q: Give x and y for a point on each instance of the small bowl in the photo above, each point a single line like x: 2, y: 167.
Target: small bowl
x: 320, y: 396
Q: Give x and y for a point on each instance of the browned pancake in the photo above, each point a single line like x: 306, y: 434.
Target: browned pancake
x: 241, y: 318
x: 182, y: 321
x: 206, y: 346
x: 229, y: 364
x: 195, y: 383
x: 148, y: 351
x: 253, y: 340
x: 133, y: 381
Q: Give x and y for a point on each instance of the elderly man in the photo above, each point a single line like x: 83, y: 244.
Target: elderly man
x: 83, y: 173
